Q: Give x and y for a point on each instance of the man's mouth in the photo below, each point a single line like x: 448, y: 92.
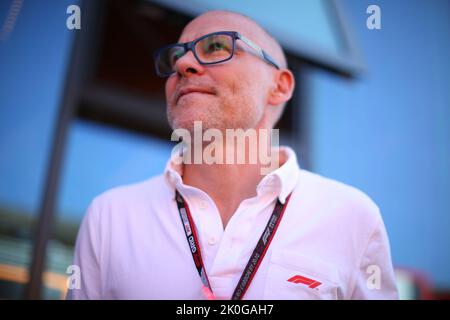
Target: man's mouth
x: 190, y: 90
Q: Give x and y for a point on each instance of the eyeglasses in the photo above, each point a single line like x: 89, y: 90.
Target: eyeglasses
x: 209, y: 49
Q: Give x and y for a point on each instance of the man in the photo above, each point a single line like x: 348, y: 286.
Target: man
x: 229, y: 231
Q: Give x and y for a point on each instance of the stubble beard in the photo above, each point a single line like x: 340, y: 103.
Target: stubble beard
x: 216, y: 116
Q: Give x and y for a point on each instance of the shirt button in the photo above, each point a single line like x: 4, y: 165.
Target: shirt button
x: 212, y: 241
x: 203, y: 205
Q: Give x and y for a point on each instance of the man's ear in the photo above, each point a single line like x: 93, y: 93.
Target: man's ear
x: 284, y: 86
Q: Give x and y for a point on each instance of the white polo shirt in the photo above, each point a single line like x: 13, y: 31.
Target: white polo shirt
x: 331, y: 242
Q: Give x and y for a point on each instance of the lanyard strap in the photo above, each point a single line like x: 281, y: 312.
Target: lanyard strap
x: 256, y: 257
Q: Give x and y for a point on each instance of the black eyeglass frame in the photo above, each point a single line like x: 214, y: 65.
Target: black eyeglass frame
x: 190, y: 46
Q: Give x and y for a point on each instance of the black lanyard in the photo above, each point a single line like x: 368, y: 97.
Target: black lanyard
x: 256, y: 257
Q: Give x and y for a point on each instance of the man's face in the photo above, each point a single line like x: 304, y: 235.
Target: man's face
x: 229, y: 95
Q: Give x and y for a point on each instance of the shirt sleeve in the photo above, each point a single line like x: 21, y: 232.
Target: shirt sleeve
x: 86, y: 283
x: 374, y: 277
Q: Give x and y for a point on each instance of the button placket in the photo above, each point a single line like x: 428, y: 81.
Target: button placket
x: 230, y: 250
x: 211, y: 231
x: 234, y: 242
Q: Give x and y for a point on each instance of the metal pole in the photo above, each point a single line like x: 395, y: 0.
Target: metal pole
x: 76, y: 75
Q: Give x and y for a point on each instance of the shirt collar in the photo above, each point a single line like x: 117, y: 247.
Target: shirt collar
x: 174, y: 171
x: 282, y: 180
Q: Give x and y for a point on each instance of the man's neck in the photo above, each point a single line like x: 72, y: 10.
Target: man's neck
x: 227, y: 184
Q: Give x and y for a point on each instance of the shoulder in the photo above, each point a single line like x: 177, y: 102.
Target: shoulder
x: 146, y: 189
x: 337, y: 200
x: 130, y: 199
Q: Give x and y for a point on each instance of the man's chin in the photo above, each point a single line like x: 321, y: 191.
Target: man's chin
x: 199, y: 123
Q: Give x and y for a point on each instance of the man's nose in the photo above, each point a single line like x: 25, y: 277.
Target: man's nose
x: 188, y: 65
